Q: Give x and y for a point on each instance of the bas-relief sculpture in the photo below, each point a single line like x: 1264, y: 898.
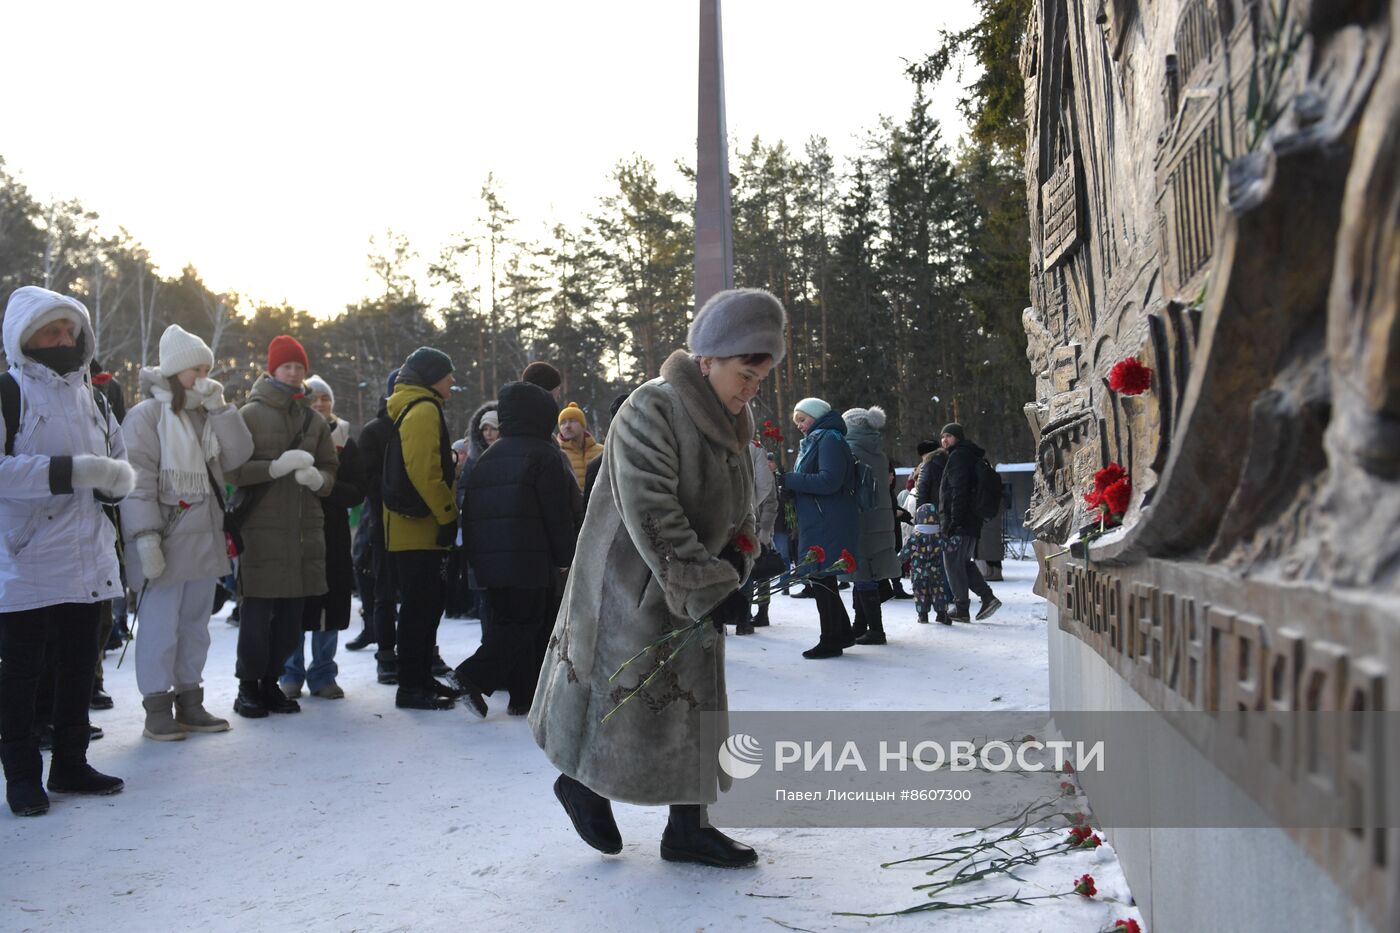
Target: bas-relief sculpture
x: 1214, y: 188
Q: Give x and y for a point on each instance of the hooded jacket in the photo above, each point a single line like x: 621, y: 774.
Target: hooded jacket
x: 518, y: 522
x: 476, y: 446
x: 194, y: 547
x: 284, y: 553
x: 57, y: 545
x: 423, y: 435
x: 877, y: 557
x: 823, y: 480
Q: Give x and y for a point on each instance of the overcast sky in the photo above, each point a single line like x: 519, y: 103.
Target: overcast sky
x: 266, y: 142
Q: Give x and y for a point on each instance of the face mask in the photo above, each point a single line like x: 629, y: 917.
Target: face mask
x: 62, y: 360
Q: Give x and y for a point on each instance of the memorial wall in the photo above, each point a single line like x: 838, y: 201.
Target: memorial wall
x: 1214, y: 194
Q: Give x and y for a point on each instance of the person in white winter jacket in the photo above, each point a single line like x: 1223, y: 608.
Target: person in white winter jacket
x: 63, y: 459
x: 180, y: 440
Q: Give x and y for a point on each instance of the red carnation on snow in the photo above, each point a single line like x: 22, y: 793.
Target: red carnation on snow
x: 1084, y: 885
x: 1125, y: 926
x: 1078, y: 834
x: 1129, y: 377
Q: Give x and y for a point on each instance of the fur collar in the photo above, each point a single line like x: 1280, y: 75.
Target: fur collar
x: 704, y: 407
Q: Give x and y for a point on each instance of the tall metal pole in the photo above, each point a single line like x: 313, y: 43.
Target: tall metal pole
x: 714, y: 226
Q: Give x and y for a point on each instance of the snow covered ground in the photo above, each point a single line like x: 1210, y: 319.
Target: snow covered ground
x: 355, y: 815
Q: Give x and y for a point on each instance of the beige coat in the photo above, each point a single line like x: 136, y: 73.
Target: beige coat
x: 676, y: 487
x: 283, y: 539
x: 194, y: 548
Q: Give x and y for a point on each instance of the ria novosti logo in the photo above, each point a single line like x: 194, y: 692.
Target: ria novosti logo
x: 740, y: 756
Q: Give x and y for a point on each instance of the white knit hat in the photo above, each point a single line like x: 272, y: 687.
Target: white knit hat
x: 181, y: 350
x: 315, y: 385
x: 492, y: 418
x: 812, y: 407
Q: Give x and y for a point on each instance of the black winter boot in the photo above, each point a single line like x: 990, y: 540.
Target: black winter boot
x: 81, y: 778
x: 249, y: 702
x: 591, y: 815
x: 360, y: 641
x: 275, y: 700
x: 24, y: 784
x: 388, y: 667
x: 440, y: 667
x: 421, y: 698
x: 761, y: 619
x: 689, y: 837
x: 861, y: 624
x: 870, y: 600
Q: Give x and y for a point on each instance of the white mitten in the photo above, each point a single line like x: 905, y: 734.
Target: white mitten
x: 290, y: 462
x: 213, y: 392
x: 108, y: 475
x: 310, y: 477
x: 152, y: 559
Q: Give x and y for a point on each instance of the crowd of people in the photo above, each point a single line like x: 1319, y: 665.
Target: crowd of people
x: 575, y: 554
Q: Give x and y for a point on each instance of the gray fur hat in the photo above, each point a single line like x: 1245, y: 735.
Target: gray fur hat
x: 738, y: 322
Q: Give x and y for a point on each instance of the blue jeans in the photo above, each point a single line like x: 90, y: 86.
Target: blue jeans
x: 323, y: 667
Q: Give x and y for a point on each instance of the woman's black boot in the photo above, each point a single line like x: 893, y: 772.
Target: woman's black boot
x: 689, y: 837
x: 591, y: 815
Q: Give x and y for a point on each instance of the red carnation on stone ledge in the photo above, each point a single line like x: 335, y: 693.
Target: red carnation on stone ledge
x: 1129, y: 377
x: 1125, y: 926
x: 1084, y: 885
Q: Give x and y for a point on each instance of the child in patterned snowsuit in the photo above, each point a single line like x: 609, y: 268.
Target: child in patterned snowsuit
x: 924, y: 552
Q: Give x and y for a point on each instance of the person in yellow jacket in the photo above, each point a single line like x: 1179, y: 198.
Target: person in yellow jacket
x: 420, y: 518
x: 576, y: 442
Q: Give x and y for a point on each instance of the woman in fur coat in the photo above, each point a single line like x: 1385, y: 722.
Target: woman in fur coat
x: 668, y: 540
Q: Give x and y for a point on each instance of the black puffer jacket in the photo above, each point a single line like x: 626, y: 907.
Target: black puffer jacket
x: 374, y: 437
x: 957, y: 493
x: 519, y: 521
x: 333, y: 611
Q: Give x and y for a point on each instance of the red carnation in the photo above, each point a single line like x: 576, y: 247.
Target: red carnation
x: 101, y: 379
x: 1068, y: 768
x: 184, y: 504
x: 1126, y: 926
x: 1108, y: 476
x: 816, y: 554
x: 1093, y: 842
x: 848, y: 559
x: 1078, y: 834
x: 1067, y: 789
x: 1084, y: 885
x: 1079, y: 819
x: 1117, y: 496
x: 768, y: 424
x: 1129, y: 377
x: 745, y: 543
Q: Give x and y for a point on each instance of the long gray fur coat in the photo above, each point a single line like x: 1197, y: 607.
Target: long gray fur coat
x: 676, y: 487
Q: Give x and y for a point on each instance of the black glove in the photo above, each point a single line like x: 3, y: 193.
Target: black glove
x: 732, y: 610
x: 736, y: 560
x: 447, y: 535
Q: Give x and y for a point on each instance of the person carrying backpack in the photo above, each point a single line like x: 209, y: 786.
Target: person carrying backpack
x: 284, y: 546
x: 963, y: 500
x: 63, y: 459
x: 420, y: 521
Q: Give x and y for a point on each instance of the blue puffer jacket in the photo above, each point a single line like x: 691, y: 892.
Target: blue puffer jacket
x: 823, y: 480
x: 56, y: 544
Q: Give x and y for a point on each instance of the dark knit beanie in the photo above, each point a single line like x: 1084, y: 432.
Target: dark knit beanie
x: 542, y: 375
x: 926, y: 447
x: 425, y: 366
x: 955, y: 429
x: 389, y: 386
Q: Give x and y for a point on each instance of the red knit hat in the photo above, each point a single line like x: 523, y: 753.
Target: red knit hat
x: 284, y: 349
